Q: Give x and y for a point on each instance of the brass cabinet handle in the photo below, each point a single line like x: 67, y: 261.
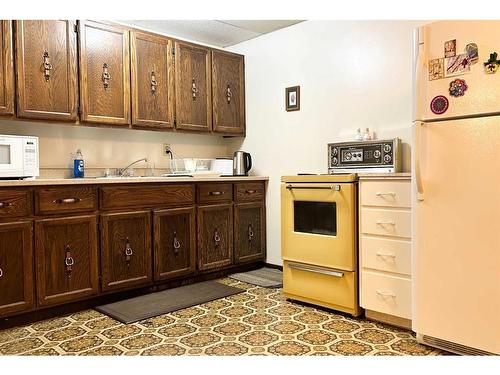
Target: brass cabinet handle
x: 128, y: 251
x: 382, y: 222
x: 385, y: 255
x: 250, y: 233
x: 250, y: 191
x: 194, y: 89
x: 177, y: 244
x: 216, y: 238
x: 4, y: 204
x: 1, y: 273
x: 381, y: 194
x: 106, y: 77
x: 66, y: 200
x: 154, y: 83
x: 215, y: 192
x: 385, y: 294
x: 46, y: 66
x: 68, y: 260
x: 229, y: 94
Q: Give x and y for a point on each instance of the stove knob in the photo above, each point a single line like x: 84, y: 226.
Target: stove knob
x: 376, y: 153
x: 387, y: 158
x: 387, y: 148
x: 335, y: 161
x: 335, y: 151
x: 348, y: 156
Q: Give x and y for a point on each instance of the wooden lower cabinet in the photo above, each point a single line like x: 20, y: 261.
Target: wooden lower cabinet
x: 66, y: 259
x: 125, y: 250
x: 249, y: 238
x: 16, y: 267
x: 215, y: 236
x: 175, y: 243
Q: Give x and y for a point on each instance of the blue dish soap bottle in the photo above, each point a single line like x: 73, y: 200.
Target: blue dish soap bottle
x: 78, y: 165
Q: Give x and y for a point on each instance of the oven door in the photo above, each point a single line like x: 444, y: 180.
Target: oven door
x: 11, y: 157
x: 318, y: 224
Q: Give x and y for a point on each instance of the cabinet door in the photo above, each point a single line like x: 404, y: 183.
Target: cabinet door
x: 249, y: 232
x: 46, y: 68
x: 192, y: 88
x: 16, y: 267
x: 228, y: 90
x: 215, y: 236
x: 175, y: 242
x: 152, y: 81
x: 6, y: 69
x: 104, y: 73
x: 126, y: 250
x: 66, y: 259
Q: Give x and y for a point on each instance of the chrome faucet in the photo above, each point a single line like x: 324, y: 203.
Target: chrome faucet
x: 121, y: 172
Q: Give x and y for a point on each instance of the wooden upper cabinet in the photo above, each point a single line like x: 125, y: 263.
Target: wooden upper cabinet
x: 16, y: 268
x: 6, y: 69
x: 152, y: 80
x: 104, y: 73
x: 228, y: 90
x: 192, y: 87
x: 46, y: 69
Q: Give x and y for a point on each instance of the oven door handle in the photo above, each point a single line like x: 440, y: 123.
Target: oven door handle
x: 302, y: 267
x: 313, y: 186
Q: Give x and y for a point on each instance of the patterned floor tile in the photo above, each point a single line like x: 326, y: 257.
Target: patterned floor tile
x: 259, y: 321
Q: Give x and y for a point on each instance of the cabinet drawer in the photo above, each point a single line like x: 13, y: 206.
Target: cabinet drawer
x: 318, y: 285
x: 215, y: 193
x: 386, y: 193
x: 386, y: 255
x: 15, y: 203
x: 386, y: 222
x: 65, y: 199
x: 254, y: 191
x: 116, y: 197
x: 387, y: 294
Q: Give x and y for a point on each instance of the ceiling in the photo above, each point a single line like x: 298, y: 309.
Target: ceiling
x: 219, y: 33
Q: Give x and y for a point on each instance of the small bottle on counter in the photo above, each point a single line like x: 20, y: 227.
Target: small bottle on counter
x: 78, y: 165
x: 367, y: 135
x: 358, y: 136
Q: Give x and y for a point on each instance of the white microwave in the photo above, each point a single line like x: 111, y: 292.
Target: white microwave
x: 19, y: 156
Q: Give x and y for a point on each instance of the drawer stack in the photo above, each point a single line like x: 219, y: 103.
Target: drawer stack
x: 385, y: 248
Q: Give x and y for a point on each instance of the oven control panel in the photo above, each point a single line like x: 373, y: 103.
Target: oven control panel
x: 365, y: 156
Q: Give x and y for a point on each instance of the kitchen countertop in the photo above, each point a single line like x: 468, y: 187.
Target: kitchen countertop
x: 125, y: 180
x: 363, y: 176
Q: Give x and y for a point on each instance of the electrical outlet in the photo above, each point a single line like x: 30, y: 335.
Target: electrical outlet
x: 167, y: 150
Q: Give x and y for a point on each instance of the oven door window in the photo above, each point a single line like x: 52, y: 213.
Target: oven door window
x: 4, y: 154
x: 315, y: 217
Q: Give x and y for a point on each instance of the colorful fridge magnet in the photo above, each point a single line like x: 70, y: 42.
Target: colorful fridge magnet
x: 457, y: 87
x: 450, y: 48
x: 491, y: 66
x: 436, y: 69
x: 472, y: 52
x: 457, y: 65
x: 439, y: 105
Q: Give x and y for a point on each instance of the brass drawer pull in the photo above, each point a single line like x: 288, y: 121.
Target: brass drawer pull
x: 385, y: 255
x: 215, y: 193
x: 194, y: 89
x: 229, y: 94
x: 106, y: 77
x: 250, y: 191
x: 250, y: 233
x: 216, y: 238
x: 69, y: 262
x: 382, y: 222
x: 385, y: 294
x: 381, y: 194
x: 66, y: 200
x: 128, y: 251
x: 177, y: 244
x: 47, y: 66
x: 154, y: 83
x: 4, y: 204
x: 1, y: 273
x: 322, y: 271
x: 327, y: 187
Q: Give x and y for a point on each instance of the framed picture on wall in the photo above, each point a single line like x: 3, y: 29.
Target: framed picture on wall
x: 292, y: 98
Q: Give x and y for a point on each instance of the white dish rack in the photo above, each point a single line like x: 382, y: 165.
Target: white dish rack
x: 191, y: 166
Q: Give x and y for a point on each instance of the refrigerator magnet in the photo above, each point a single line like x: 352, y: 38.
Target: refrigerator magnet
x: 450, y: 48
x: 457, y: 87
x: 472, y: 52
x: 436, y: 69
x: 491, y: 66
x: 457, y: 65
x: 439, y: 105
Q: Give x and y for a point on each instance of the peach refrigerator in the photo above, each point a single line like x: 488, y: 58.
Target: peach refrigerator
x: 456, y: 186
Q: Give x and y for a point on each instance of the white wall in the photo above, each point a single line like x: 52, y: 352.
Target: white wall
x: 351, y: 74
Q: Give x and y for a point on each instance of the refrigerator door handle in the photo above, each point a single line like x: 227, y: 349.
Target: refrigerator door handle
x: 418, y: 159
